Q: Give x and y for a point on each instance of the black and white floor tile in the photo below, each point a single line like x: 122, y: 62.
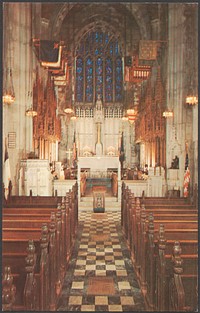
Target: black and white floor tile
x: 100, y: 276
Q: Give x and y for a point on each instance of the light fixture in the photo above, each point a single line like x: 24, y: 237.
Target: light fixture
x: 73, y: 118
x: 30, y: 112
x: 125, y: 118
x: 168, y: 113
x: 131, y: 119
x: 132, y: 114
x: 8, y: 89
x: 191, y: 100
x: 69, y: 109
x: 191, y: 90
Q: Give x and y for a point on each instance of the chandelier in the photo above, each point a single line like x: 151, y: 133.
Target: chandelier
x: 168, y: 113
x: 131, y: 114
x: 191, y: 100
x: 8, y: 89
x: 68, y: 109
x: 30, y: 105
x: 30, y: 112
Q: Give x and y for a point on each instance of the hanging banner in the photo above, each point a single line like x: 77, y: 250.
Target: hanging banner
x: 50, y: 53
x: 186, y: 183
x: 6, y: 172
x: 126, y: 76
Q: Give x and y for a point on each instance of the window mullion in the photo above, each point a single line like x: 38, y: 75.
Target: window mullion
x: 104, y: 76
x: 113, y: 81
x: 94, y: 78
x: 84, y: 80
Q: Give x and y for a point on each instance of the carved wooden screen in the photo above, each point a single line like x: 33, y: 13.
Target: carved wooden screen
x: 150, y: 124
x: 98, y: 69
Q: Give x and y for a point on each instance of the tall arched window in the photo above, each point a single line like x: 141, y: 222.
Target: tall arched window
x: 98, y: 69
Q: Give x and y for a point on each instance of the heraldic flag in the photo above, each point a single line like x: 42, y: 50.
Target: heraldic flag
x: 121, y: 152
x: 186, y: 183
x: 74, y: 148
x: 6, y: 173
x: 50, y: 53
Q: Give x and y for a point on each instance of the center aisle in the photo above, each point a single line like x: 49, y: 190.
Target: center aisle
x: 100, y: 276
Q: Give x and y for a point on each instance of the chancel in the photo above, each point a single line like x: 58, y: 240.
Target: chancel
x: 100, y: 156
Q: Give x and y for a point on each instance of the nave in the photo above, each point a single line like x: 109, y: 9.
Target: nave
x: 100, y: 276
x: 78, y: 260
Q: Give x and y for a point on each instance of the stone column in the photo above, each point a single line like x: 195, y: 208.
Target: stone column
x: 175, y: 130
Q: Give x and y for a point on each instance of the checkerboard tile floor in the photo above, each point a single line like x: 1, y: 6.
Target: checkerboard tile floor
x: 100, y: 276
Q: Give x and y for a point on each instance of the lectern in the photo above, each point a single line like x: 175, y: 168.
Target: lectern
x: 99, y: 202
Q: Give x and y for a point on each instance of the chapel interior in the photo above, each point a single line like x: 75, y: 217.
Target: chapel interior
x: 100, y: 156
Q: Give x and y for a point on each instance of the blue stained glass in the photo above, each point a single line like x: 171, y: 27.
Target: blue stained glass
x: 99, y: 61
x: 87, y: 47
x: 111, y: 49
x: 89, y: 79
x: 97, y: 36
x: 118, y: 79
x: 116, y: 48
x: 89, y: 73
x: 79, y: 79
x: 109, y: 81
x: 106, y: 38
x: 89, y: 61
x: 100, y: 37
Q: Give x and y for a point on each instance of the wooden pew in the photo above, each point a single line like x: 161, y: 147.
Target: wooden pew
x: 161, y: 200
x: 68, y: 219
x: 154, y: 242
x: 30, y: 221
x: 129, y: 204
x: 8, y: 289
x: 176, y: 279
x: 28, y: 270
x: 182, y: 229
x: 143, y: 242
x: 29, y: 201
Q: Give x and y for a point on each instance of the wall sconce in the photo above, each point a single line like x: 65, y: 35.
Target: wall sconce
x: 131, y: 114
x: 73, y: 118
x: 69, y: 109
x: 31, y: 113
x: 168, y: 113
x: 191, y: 100
x: 8, y: 89
x: 131, y: 119
x: 125, y: 118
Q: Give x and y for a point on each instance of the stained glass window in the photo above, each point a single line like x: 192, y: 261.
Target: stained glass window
x: 109, y: 80
x: 118, y: 75
x: 89, y: 79
x: 79, y: 79
x: 98, y: 69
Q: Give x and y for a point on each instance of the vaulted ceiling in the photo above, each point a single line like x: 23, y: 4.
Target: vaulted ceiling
x: 129, y: 22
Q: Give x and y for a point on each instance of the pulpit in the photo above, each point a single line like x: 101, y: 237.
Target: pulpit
x: 35, y: 176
